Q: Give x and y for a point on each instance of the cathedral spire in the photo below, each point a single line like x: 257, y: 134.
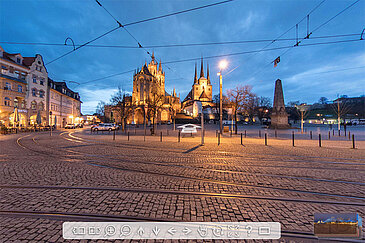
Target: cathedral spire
x: 195, y: 77
x: 208, y: 74
x: 153, y: 55
x: 201, y: 69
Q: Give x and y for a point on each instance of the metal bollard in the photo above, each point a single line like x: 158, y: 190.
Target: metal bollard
x: 245, y: 134
x: 333, y: 132
x: 329, y: 135
x: 311, y: 135
x: 231, y: 133
x: 114, y: 134
x: 353, y: 141
x: 241, y: 139
x: 216, y: 133
x: 265, y: 139
x: 219, y: 139
x: 160, y: 136
x: 319, y: 140
x: 178, y: 137
x: 339, y: 133
x: 349, y: 135
x: 128, y: 136
x: 293, y: 139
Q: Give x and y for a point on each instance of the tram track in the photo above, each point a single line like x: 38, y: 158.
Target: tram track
x: 213, y: 181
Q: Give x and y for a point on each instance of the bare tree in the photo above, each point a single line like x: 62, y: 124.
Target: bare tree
x: 323, y: 100
x: 237, y: 98
x: 124, y: 107
x: 100, y: 109
x: 154, y: 103
x: 341, y: 108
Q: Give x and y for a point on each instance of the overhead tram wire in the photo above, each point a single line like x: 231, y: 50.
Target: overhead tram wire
x: 231, y: 54
x: 307, y: 37
x: 176, y: 45
x: 306, y: 16
x: 138, y: 22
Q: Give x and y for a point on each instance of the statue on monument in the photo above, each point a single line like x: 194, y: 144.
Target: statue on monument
x: 279, y: 117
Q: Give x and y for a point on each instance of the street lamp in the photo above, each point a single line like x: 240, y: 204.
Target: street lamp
x: 222, y: 65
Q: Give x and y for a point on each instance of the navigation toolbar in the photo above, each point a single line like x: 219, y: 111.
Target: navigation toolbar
x: 171, y: 230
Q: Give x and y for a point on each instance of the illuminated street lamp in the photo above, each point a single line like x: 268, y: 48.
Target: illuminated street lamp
x: 222, y: 65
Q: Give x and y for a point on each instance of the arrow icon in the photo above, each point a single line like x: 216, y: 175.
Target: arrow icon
x: 156, y: 230
x: 171, y: 231
x: 140, y: 231
x: 186, y: 231
x: 74, y: 230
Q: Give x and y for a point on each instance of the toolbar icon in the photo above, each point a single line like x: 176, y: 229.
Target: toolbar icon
x: 94, y: 231
x: 156, y: 230
x: 186, y: 231
x: 125, y: 230
x: 110, y: 230
x: 203, y: 231
x: 264, y: 230
x: 140, y: 231
x: 79, y: 230
x: 172, y: 231
x: 218, y: 231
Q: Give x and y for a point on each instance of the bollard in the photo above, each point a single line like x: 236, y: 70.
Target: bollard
x: 345, y: 131
x: 349, y: 135
x: 245, y: 134
x: 128, y: 136
x: 311, y: 135
x: 219, y: 139
x: 333, y: 132
x: 241, y: 139
x: 320, y: 140
x: 231, y: 133
x: 353, y: 141
x: 265, y: 139
x: 178, y: 137
x: 339, y: 133
x: 293, y: 139
x: 216, y: 133
x: 259, y: 133
x: 329, y: 135
x: 161, y: 137
x: 276, y: 133
x: 114, y: 134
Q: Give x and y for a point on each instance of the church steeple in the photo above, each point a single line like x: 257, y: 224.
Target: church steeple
x: 195, y: 77
x: 208, y: 74
x: 201, y: 69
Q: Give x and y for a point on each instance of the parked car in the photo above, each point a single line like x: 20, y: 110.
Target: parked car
x: 70, y: 126
x: 104, y: 127
x: 79, y: 125
x: 189, y: 129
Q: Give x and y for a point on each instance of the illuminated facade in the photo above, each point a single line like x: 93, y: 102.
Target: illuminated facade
x: 201, y: 91
x: 64, y: 104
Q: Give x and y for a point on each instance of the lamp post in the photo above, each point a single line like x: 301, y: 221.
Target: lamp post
x: 222, y: 65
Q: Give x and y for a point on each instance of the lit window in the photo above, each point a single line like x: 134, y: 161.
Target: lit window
x: 34, y: 105
x: 20, y: 89
x: 41, y: 93
x: 7, y: 101
x: 16, y: 103
x: 7, y: 86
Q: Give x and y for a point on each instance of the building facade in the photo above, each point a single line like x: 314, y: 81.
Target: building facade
x: 64, y: 104
x: 200, y: 93
x: 13, y: 88
x: 149, y: 93
x: 37, y: 95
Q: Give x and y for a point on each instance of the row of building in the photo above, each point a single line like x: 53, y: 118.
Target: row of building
x: 29, y: 97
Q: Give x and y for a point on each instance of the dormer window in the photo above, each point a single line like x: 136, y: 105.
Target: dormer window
x: 18, y: 60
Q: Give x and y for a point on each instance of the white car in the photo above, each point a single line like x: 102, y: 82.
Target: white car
x: 189, y: 129
x: 103, y: 127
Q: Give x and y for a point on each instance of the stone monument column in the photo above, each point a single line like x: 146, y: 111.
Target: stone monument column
x: 279, y: 117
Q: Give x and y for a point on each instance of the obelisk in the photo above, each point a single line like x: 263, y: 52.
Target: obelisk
x: 279, y: 117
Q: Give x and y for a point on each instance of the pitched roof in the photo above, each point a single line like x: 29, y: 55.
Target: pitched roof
x: 27, y: 61
x: 203, y: 95
x: 189, y: 96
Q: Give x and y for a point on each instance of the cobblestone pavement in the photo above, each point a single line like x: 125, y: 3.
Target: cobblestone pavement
x: 74, y: 175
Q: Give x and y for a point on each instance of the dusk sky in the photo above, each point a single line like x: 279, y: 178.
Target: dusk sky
x: 307, y: 72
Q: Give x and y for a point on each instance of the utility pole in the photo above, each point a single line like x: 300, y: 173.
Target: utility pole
x: 220, y: 104
x: 338, y: 114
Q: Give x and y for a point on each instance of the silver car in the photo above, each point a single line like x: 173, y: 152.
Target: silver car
x: 104, y: 127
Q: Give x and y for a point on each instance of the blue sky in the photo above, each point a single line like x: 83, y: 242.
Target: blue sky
x: 307, y: 72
